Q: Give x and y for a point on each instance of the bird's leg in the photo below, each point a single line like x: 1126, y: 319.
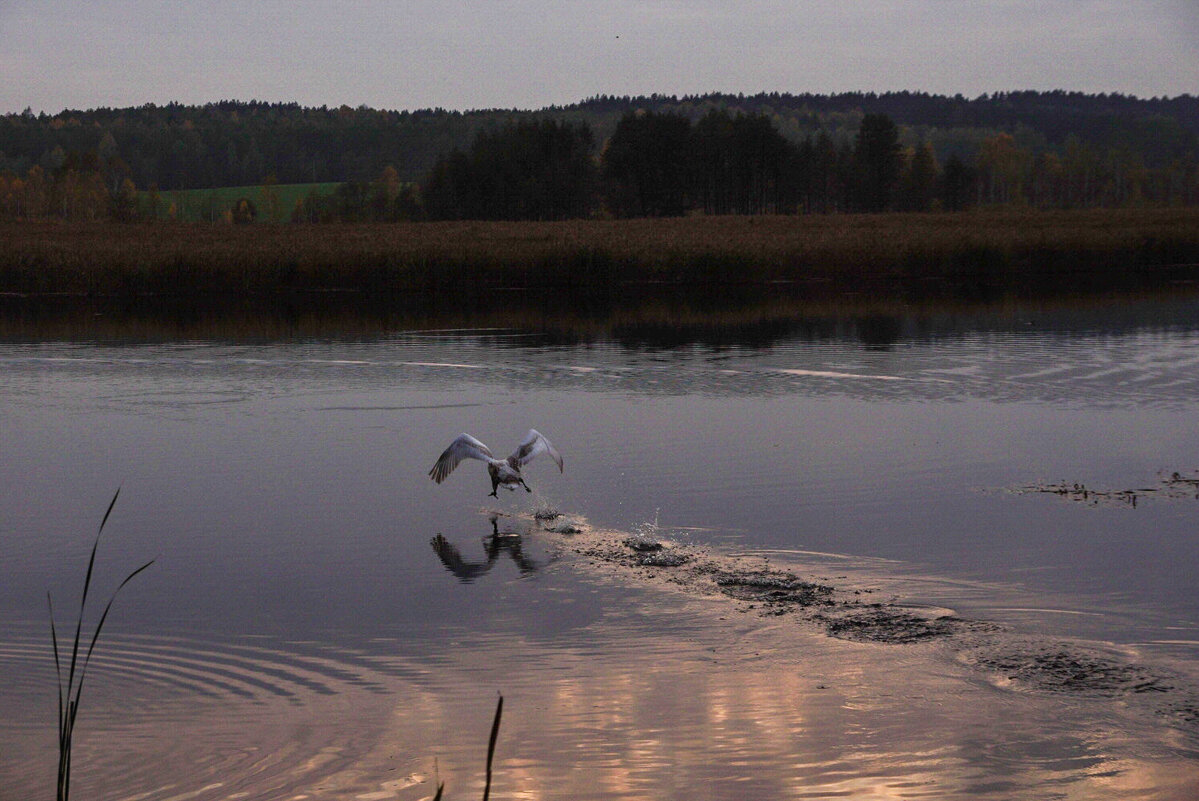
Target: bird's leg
x: 494, y: 486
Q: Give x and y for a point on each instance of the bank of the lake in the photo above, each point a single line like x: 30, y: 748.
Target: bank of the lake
x: 1128, y: 247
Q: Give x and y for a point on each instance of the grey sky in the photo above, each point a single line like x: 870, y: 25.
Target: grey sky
x: 57, y: 54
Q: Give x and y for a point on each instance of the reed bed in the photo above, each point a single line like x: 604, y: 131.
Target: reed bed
x: 180, y: 258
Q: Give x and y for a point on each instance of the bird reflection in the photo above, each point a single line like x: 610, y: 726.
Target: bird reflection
x: 497, y: 542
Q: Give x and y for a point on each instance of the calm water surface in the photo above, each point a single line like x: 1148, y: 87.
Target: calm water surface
x: 299, y: 637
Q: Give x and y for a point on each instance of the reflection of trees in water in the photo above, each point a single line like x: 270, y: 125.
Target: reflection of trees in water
x: 879, y: 331
x: 641, y: 318
x: 496, y: 543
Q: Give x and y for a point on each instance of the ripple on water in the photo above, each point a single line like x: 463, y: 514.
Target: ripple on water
x: 179, y: 717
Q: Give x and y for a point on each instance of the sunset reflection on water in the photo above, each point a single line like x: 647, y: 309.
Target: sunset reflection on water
x: 729, y: 706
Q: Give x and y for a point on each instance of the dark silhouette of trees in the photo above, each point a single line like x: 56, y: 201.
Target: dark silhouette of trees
x: 828, y: 170
x: 741, y: 165
x: 918, y: 188
x: 877, y: 162
x: 529, y: 170
x: 645, y: 165
x: 714, y: 172
x: 761, y: 153
x: 957, y: 185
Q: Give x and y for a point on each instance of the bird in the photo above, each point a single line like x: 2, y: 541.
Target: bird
x: 503, y: 472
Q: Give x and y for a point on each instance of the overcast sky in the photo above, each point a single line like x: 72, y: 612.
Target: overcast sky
x: 57, y: 54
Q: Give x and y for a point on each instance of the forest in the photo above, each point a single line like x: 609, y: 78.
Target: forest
x: 660, y: 155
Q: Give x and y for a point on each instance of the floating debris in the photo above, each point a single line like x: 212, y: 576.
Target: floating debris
x: 1082, y: 494
x: 1171, y: 486
x: 1182, y: 483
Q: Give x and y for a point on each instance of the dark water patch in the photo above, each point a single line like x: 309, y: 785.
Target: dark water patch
x: 649, y: 317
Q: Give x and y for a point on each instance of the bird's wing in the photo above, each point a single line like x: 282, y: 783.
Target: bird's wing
x: 532, y: 446
x: 464, y: 446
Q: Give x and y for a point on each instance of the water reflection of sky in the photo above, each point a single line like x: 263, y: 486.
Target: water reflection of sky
x: 282, y: 489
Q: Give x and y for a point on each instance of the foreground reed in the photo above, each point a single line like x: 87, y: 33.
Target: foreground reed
x: 71, y: 672
x: 495, y: 733
x: 75, y: 668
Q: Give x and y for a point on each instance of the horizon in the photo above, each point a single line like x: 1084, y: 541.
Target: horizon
x: 529, y: 55
x: 608, y: 96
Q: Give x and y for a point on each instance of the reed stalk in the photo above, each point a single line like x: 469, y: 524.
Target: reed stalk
x: 75, y: 669
x: 495, y: 733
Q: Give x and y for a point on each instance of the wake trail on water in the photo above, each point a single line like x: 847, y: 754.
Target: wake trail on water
x: 1156, y: 695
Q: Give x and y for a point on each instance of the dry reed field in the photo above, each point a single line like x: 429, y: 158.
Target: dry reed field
x: 162, y: 258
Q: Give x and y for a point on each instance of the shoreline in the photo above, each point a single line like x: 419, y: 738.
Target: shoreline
x: 718, y: 317
x: 849, y: 251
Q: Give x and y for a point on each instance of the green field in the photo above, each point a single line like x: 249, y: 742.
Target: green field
x: 210, y: 205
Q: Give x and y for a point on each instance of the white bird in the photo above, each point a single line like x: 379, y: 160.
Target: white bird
x: 503, y: 472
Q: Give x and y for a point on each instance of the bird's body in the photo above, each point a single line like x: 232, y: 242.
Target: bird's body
x: 503, y: 472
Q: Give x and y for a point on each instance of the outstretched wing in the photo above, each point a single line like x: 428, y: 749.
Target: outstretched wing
x: 464, y: 446
x: 534, y: 444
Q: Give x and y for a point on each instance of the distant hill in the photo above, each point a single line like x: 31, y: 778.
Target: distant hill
x: 232, y: 143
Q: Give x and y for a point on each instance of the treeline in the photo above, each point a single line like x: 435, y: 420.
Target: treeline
x: 232, y: 143
x: 660, y: 164
x: 81, y: 188
x: 652, y: 156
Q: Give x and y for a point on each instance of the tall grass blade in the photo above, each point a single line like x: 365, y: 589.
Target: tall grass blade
x: 107, y: 512
x: 70, y: 692
x: 100, y: 625
x: 57, y: 664
x: 495, y: 733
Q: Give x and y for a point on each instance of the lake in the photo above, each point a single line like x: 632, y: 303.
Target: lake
x: 323, y: 621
